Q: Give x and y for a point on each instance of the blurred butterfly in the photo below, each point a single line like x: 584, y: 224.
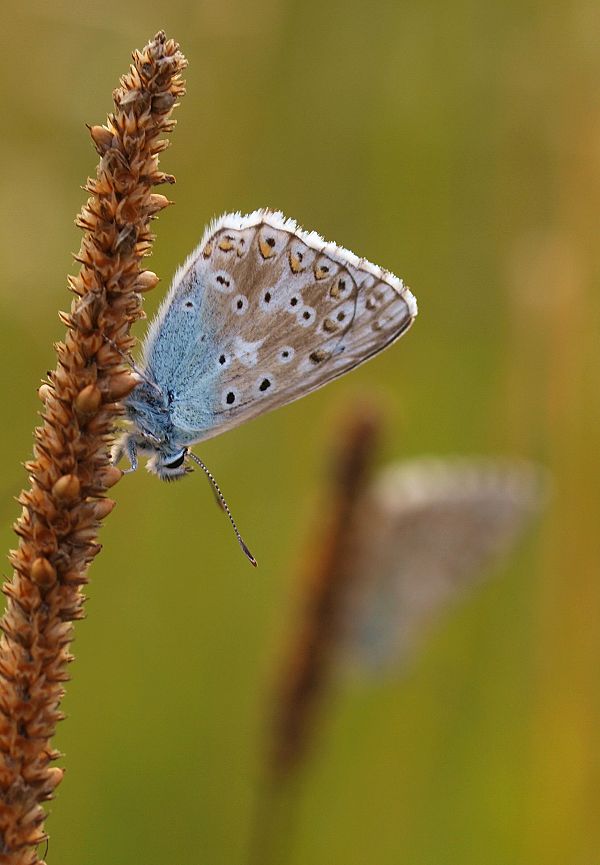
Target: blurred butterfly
x: 260, y: 314
x: 428, y: 532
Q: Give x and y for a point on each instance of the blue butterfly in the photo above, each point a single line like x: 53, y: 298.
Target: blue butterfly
x: 260, y: 314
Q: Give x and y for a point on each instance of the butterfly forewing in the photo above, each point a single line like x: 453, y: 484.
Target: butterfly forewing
x: 269, y: 313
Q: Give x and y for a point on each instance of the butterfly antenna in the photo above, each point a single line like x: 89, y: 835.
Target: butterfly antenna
x: 224, y: 505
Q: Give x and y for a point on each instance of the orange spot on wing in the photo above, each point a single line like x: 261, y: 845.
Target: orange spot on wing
x: 266, y: 249
x: 295, y: 262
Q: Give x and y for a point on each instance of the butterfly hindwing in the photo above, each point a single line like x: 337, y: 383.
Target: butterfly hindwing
x: 263, y: 313
x: 430, y: 531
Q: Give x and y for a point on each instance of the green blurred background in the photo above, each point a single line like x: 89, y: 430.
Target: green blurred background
x: 458, y: 145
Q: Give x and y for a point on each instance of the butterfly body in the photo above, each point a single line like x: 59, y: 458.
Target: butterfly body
x: 259, y: 315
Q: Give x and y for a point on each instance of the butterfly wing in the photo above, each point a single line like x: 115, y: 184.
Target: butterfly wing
x: 263, y: 313
x: 430, y: 532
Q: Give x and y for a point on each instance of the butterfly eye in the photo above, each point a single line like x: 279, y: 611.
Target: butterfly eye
x: 178, y: 461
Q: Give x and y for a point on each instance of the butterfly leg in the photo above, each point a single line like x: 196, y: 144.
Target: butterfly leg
x: 125, y: 445
x: 132, y: 455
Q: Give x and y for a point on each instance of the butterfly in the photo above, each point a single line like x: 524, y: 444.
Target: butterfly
x: 260, y: 314
x: 427, y: 533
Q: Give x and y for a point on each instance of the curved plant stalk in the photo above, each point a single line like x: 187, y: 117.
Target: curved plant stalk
x: 304, y: 680
x: 70, y: 471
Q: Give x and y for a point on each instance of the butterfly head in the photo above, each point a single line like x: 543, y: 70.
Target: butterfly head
x: 167, y: 463
x: 169, y: 467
